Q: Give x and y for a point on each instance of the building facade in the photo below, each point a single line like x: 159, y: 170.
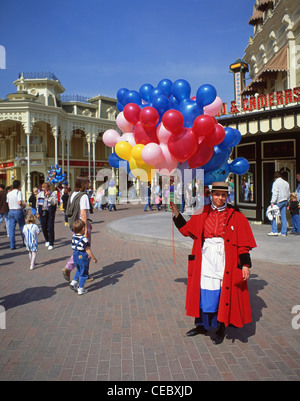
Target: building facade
x: 267, y: 110
x: 40, y: 128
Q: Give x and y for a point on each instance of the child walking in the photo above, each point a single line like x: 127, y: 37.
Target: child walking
x: 31, y: 231
x: 294, y: 209
x: 81, y: 253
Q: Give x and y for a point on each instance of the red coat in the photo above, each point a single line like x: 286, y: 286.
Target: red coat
x: 234, y: 306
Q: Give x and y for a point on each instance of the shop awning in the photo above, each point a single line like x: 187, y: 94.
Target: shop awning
x: 276, y: 64
x: 265, y: 4
x: 256, y: 18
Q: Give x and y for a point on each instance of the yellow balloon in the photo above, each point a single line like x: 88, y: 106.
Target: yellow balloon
x: 141, y: 171
x: 123, y: 150
x: 137, y: 153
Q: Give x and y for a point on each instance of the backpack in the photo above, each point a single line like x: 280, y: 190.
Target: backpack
x: 73, y: 208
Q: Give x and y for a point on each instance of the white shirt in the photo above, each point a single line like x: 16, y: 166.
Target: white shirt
x: 280, y: 191
x: 13, y: 198
x: 84, y: 204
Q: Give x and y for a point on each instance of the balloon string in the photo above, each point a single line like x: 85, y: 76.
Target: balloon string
x: 173, y: 240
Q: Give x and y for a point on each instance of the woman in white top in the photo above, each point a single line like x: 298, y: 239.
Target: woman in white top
x: 81, y: 185
x: 15, y: 215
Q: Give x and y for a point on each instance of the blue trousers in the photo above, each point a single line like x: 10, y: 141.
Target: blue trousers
x: 296, y: 223
x: 81, y: 263
x: 282, y: 208
x: 15, y: 216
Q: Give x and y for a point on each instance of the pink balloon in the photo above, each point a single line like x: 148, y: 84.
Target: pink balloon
x: 128, y: 137
x: 168, y: 163
x: 123, y: 124
x: 214, y: 108
x: 163, y: 134
x: 152, y: 154
x: 111, y: 137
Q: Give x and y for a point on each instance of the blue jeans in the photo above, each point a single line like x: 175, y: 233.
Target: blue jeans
x: 282, y: 207
x: 296, y: 223
x: 81, y: 262
x: 15, y: 216
x: 148, y: 204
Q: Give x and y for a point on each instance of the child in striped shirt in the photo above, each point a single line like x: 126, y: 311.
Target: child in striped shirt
x: 30, y: 232
x: 81, y: 253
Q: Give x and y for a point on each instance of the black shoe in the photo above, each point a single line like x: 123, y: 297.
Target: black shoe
x: 219, y: 334
x: 196, y: 330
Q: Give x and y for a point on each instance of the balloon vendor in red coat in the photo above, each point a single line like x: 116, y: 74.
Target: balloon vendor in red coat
x: 218, y: 268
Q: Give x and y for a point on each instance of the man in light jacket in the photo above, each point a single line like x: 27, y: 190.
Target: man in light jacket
x: 46, y: 202
x: 280, y: 196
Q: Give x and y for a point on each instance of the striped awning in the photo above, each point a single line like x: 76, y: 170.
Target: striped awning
x: 265, y: 4
x: 256, y: 18
x: 269, y: 71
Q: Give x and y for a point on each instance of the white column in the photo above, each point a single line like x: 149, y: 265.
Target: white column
x: 28, y: 193
x: 88, y: 139
x: 94, y: 161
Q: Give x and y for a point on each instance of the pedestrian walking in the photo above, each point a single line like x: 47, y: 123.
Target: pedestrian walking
x: 148, y: 197
x: 78, y: 208
x: 16, y: 212
x: 4, y: 208
x: 112, y: 196
x: 32, y: 201
x: 65, y: 198
x: 217, y: 292
x: 280, y: 196
x: 31, y: 231
x: 81, y: 255
x: 47, y: 203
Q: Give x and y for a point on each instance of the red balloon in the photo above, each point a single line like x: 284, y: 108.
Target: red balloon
x: 220, y: 134
x: 132, y: 113
x: 204, y: 125
x: 149, y: 117
x: 202, y: 155
x: 143, y: 135
x: 173, y: 121
x: 182, y: 146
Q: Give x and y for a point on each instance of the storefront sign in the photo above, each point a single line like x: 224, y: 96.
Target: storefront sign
x: 6, y: 165
x: 273, y: 99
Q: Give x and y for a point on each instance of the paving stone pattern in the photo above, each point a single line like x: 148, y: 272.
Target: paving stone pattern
x: 131, y: 324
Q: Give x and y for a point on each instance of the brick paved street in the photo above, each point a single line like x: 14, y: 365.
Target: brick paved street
x: 131, y: 324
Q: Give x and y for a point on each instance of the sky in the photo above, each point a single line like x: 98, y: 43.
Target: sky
x: 97, y: 47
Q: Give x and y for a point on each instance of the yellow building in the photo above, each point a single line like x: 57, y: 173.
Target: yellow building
x: 40, y: 128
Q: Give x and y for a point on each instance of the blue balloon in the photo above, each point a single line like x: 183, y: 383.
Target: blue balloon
x: 121, y: 95
x: 219, y: 158
x: 181, y: 89
x: 132, y: 97
x: 155, y: 92
x: 229, y: 139
x: 145, y: 91
x: 219, y: 174
x: 238, y: 137
x: 166, y: 86
x: 120, y: 106
x: 190, y: 110
x: 174, y: 103
x: 239, y: 166
x: 205, y: 95
x: 114, y: 160
x: 161, y: 104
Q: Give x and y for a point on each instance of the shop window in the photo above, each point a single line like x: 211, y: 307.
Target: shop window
x: 247, y: 186
x: 278, y: 149
x: 248, y: 151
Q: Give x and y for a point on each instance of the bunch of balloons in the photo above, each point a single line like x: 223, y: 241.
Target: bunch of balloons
x: 55, y: 175
x: 163, y: 128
